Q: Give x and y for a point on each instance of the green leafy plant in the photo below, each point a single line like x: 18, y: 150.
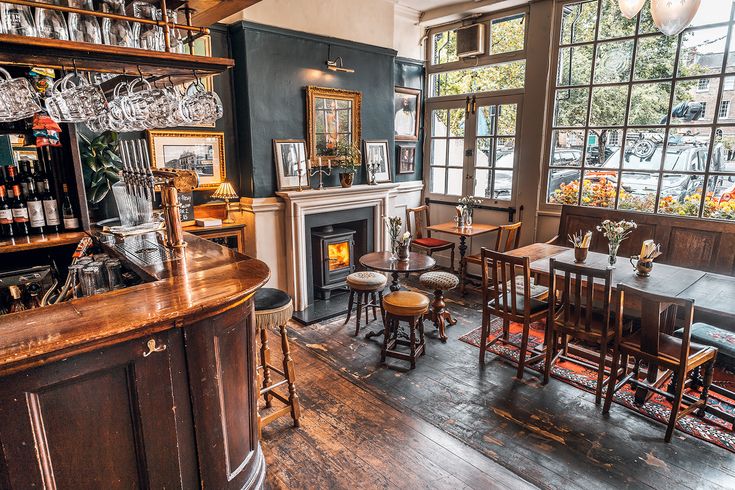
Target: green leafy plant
x: 101, y: 164
x: 349, y: 157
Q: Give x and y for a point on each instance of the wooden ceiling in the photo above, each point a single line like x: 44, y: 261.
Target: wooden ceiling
x: 209, y: 12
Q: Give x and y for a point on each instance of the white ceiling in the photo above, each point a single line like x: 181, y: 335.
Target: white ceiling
x: 424, y: 5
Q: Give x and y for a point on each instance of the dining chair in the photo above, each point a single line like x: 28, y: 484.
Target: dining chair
x: 501, y: 298
x: 655, y: 344
x: 508, y: 237
x: 579, y: 309
x: 422, y: 240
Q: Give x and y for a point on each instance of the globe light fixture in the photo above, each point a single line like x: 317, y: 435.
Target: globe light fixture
x: 630, y: 8
x: 673, y: 16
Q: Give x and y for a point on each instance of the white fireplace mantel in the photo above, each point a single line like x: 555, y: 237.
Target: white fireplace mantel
x: 301, y: 204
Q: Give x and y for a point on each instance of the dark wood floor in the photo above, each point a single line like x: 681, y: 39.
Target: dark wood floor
x: 367, y: 425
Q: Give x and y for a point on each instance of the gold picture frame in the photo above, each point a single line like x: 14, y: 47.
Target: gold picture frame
x: 190, y: 150
x: 325, y: 106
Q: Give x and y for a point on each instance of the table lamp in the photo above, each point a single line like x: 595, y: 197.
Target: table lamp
x: 226, y: 192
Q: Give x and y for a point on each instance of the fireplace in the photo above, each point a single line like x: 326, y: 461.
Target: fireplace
x: 333, y: 258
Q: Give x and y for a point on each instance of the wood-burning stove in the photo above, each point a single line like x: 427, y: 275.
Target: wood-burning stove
x: 332, y: 251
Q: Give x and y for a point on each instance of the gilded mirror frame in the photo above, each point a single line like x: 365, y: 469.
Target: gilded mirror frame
x: 312, y: 93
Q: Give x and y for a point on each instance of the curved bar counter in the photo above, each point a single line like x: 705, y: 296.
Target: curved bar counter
x: 152, y: 386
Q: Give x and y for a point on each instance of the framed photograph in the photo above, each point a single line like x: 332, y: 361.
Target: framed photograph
x: 406, y: 159
x: 406, y: 113
x: 376, y: 152
x: 290, y: 159
x: 203, y: 152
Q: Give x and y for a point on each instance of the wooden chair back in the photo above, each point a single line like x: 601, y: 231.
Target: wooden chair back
x: 499, y: 286
x: 421, y: 221
x: 508, y: 237
x: 578, y: 293
x: 658, y: 315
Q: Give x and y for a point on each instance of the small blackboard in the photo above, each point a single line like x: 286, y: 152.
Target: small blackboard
x: 186, y: 209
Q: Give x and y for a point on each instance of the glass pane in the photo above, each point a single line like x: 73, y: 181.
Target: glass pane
x: 687, y: 149
x: 445, y: 47
x: 731, y: 57
x: 643, y: 149
x: 655, y: 57
x: 681, y: 194
x: 486, y: 120
x: 439, y: 122
x: 706, y: 16
x: 608, y: 106
x: 503, y: 184
x: 345, y: 121
x: 571, y: 107
x: 578, y: 22
x: 646, y: 25
x: 613, y: 61
x: 566, y: 148
x: 612, y: 23
x: 456, y: 152
x: 638, y: 191
x: 575, y: 65
x: 724, y: 110
x: 649, y: 103
x: 603, y: 147
x: 438, y: 180
x: 504, y: 152
x: 507, y: 115
x: 723, y: 154
x: 599, y: 188
x: 503, y: 76
x: 456, y: 122
x: 720, y: 200
x: 507, y: 34
x: 483, y: 183
x: 454, y: 182
x: 695, y: 101
x: 563, y: 186
x: 702, y: 51
x: 483, y: 152
x: 438, y: 152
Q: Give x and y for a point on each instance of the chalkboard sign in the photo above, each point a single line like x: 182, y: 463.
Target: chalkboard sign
x: 186, y: 209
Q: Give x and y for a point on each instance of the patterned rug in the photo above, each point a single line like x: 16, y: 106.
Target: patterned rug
x: 710, y: 429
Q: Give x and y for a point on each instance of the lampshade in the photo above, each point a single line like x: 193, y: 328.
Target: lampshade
x: 630, y: 8
x: 225, y: 191
x: 673, y: 16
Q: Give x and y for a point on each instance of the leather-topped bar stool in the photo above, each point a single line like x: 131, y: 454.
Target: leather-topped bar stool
x: 409, y: 307
x: 368, y: 287
x: 439, y: 282
x: 273, y: 308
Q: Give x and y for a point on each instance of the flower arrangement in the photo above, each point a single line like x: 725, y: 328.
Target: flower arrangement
x: 393, y: 224
x: 469, y: 202
x: 615, y: 232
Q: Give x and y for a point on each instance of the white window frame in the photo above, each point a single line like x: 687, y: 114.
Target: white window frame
x: 724, y: 104
x: 704, y: 88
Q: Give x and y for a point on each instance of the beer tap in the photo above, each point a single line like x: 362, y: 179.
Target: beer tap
x: 146, y: 161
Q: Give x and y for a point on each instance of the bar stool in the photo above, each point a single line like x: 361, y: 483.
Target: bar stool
x: 439, y: 282
x: 366, y: 285
x: 410, y: 307
x: 273, y: 308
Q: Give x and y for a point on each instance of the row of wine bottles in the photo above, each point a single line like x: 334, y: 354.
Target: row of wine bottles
x: 28, y: 205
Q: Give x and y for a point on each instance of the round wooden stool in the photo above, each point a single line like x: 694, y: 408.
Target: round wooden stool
x: 368, y: 287
x: 273, y: 308
x: 409, y: 307
x: 439, y: 282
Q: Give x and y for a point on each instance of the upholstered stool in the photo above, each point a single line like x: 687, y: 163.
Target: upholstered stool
x: 368, y: 287
x: 439, y: 282
x: 409, y: 307
x: 273, y: 308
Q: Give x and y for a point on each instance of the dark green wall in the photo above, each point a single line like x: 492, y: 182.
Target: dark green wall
x: 410, y: 73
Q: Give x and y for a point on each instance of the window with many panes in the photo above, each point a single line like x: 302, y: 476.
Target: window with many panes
x: 630, y: 103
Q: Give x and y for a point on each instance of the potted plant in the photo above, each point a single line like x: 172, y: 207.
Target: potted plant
x: 349, y: 159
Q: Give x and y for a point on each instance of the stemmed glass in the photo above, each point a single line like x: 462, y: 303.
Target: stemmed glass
x: 149, y: 36
x: 84, y: 28
x: 117, y: 32
x: 17, y: 19
x: 51, y: 23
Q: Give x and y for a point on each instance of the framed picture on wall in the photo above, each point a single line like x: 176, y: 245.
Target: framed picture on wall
x: 406, y: 113
x: 376, y: 153
x: 203, y: 152
x: 406, y: 159
x: 290, y: 160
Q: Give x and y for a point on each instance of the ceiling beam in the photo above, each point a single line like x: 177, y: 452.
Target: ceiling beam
x: 460, y: 10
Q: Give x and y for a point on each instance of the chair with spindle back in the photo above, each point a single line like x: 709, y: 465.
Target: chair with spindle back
x: 422, y: 240
x: 508, y: 237
x: 501, y: 297
x: 581, y: 312
x: 655, y: 344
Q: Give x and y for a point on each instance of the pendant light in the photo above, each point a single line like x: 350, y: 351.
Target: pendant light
x: 630, y: 8
x: 673, y: 16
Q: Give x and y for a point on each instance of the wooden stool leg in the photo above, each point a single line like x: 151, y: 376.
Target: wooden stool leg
x: 412, y: 328
x: 421, y: 335
x: 386, y: 335
x: 382, y: 310
x: 265, y: 359
x: 359, y: 311
x: 374, y: 300
x: 350, y: 304
x: 290, y: 372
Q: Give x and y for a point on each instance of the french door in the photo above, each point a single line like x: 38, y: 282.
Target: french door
x: 472, y: 147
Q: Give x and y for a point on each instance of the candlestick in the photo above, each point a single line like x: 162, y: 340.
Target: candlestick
x: 321, y: 172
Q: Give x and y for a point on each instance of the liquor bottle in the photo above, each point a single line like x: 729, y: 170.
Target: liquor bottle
x: 20, y: 212
x: 35, y: 209
x: 71, y: 222
x: 6, y: 215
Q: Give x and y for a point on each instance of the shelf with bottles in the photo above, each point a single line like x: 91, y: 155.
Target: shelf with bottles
x: 32, y: 242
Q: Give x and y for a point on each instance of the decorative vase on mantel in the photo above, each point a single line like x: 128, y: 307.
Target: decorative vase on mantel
x: 346, y: 178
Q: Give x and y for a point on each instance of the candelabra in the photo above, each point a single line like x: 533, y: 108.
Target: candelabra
x: 321, y: 172
x: 372, y: 169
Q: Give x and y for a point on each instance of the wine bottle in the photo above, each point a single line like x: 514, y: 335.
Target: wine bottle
x: 50, y: 206
x: 25, y: 176
x: 6, y: 215
x: 35, y: 209
x: 71, y: 222
x: 10, y: 182
x: 20, y: 212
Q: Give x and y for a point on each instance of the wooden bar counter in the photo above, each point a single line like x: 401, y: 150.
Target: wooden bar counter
x: 152, y: 386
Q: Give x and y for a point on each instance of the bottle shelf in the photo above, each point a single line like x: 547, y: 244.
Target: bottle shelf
x: 32, y: 242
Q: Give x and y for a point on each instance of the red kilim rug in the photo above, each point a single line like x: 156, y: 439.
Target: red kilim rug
x: 711, y: 428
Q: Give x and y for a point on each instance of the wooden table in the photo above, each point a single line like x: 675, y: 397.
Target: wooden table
x: 381, y: 261
x: 463, y: 232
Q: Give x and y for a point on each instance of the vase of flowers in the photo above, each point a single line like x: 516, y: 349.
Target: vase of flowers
x: 615, y: 232
x: 468, y: 204
x: 393, y: 225
x: 404, y: 244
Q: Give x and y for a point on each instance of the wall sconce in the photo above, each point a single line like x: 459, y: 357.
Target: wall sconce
x: 338, y: 65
